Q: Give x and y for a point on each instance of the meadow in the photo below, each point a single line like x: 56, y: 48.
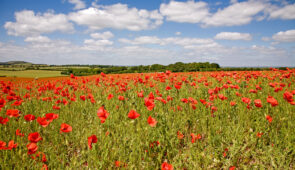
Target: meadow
x: 30, y: 73
x: 196, y: 120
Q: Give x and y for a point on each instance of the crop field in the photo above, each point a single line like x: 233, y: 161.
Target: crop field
x: 30, y: 73
x: 197, y: 120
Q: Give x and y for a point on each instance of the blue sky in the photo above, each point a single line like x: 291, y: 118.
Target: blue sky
x: 135, y: 32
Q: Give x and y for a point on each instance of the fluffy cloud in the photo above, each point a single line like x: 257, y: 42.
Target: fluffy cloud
x: 142, y: 40
x: 287, y: 12
x: 104, y: 35
x: 97, y: 42
x: 185, y: 42
x: 236, y: 14
x: 233, y: 36
x: 287, y: 36
x: 78, y: 4
x: 38, y: 39
x: 117, y: 16
x: 30, y: 24
x: 177, y: 33
x: 190, y: 11
x: 96, y: 45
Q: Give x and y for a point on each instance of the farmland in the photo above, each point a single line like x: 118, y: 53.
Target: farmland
x: 194, y: 120
x: 30, y: 73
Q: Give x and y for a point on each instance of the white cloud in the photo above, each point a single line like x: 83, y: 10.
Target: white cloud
x: 99, y: 52
x: 233, y: 36
x: 30, y: 24
x: 265, y: 39
x: 78, y: 4
x: 237, y: 13
x: 117, y: 16
x: 240, y: 13
x: 233, y: 1
x: 190, y: 11
x: 184, y: 42
x: 287, y: 12
x: 142, y: 40
x: 177, y: 33
x: 96, y: 45
x: 287, y: 36
x: 97, y: 42
x: 38, y: 39
x: 105, y: 35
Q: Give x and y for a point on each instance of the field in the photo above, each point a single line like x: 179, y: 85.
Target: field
x: 30, y: 73
x: 198, y: 120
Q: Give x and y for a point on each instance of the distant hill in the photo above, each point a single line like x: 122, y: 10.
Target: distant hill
x: 14, y: 62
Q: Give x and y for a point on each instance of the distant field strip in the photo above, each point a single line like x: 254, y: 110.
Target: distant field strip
x: 30, y: 73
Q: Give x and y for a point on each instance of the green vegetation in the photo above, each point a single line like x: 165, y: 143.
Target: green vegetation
x: 204, y: 120
x: 84, y: 70
x: 30, y: 73
x: 177, y: 67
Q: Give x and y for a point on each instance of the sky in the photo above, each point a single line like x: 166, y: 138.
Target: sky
x: 138, y: 32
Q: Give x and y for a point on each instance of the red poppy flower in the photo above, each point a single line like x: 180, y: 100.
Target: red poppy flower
x: 232, y: 103
x: 222, y: 97
x: 288, y: 96
x: 32, y: 148
x: 151, y: 121
x: 149, y: 103
x: 18, y: 133
x: 121, y: 98
x: 12, y: 113
x: 166, y: 166
x: 155, y: 143
x: 17, y: 103
x: 259, y: 134
x: 168, y: 88
x: 2, y: 145
x: 91, y: 139
x: 184, y: 100
x: 34, y: 137
x: 11, y: 145
x: 55, y: 107
x: 272, y: 101
x: 44, y: 167
x: 65, y: 128
x: 102, y: 114
x: 72, y: 76
x: 43, y: 156
x: 133, y: 114
x: 246, y: 100
x: 140, y: 94
x: 2, y: 102
x: 83, y: 97
x: 117, y: 163
x: 257, y: 103
x: 3, y: 121
x: 110, y: 96
x: 51, y: 116
x: 29, y: 117
x: 232, y: 168
x: 195, y: 137
x: 169, y: 98
x: 102, y: 74
x: 180, y: 135
x: 268, y: 118
x: 177, y: 86
x: 42, y: 121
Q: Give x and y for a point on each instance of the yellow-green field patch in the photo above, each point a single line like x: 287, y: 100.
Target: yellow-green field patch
x: 31, y: 73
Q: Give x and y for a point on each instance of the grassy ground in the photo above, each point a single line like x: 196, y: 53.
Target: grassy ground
x: 30, y: 73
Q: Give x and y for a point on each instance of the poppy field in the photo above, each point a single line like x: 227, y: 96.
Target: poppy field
x: 196, y: 120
